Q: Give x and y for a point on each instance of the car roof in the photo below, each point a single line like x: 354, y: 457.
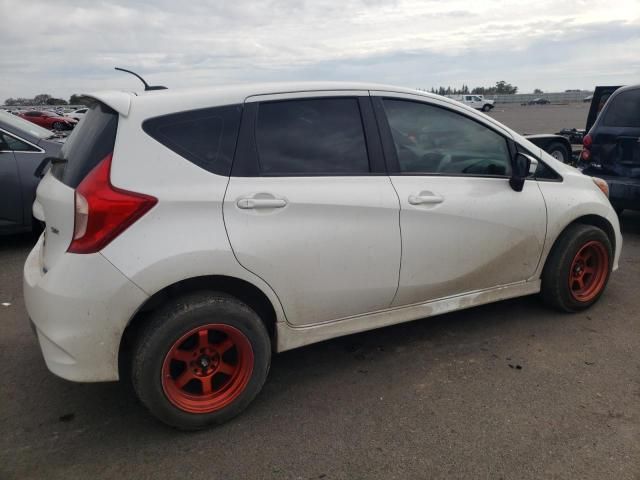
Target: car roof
x: 187, y: 98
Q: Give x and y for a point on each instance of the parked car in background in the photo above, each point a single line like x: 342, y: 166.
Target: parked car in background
x: 539, y: 101
x: 77, y: 114
x: 49, y: 120
x: 611, y: 148
x: 295, y: 213
x: 475, y: 101
x: 23, y: 147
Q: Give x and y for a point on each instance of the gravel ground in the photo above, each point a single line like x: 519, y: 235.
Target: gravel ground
x: 510, y: 390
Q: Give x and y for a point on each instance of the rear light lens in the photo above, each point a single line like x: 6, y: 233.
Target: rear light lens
x: 102, y: 211
x: 586, y: 150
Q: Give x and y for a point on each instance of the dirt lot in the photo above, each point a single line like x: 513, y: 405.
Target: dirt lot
x: 510, y: 390
x: 541, y: 118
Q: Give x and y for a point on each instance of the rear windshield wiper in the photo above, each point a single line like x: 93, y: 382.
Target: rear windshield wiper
x: 39, y: 172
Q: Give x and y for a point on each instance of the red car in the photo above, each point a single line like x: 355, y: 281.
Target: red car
x: 49, y: 120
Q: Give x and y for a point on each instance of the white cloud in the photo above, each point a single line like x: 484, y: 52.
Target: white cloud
x: 70, y: 46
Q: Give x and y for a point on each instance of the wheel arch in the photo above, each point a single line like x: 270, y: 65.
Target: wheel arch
x: 243, y: 290
x: 591, y: 219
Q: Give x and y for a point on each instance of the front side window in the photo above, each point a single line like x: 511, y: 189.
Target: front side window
x: 624, y: 110
x: 434, y: 140
x: 311, y: 137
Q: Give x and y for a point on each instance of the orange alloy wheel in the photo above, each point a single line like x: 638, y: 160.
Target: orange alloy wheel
x: 589, y: 271
x: 207, y: 368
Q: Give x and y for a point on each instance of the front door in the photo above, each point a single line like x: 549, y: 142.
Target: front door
x: 463, y: 227
x: 309, y: 208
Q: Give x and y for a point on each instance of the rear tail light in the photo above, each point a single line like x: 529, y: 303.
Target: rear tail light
x: 587, y: 141
x: 102, y: 211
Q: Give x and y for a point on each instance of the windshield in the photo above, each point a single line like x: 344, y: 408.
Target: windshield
x: 24, y: 125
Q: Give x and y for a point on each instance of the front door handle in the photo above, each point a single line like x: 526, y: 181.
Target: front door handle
x: 425, y: 198
x: 260, y: 201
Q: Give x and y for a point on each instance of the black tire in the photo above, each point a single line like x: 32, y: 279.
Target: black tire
x: 58, y: 126
x: 559, y: 151
x: 486, y: 107
x: 161, y: 333
x: 556, y: 291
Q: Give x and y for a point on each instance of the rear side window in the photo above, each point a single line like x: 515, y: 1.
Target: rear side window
x: 11, y: 143
x: 311, y: 137
x: 91, y: 141
x: 624, y: 110
x: 206, y: 137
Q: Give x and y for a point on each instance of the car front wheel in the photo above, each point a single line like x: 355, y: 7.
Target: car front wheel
x: 578, y: 268
x: 200, y: 360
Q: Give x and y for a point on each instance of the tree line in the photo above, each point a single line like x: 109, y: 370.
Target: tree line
x: 46, y: 99
x: 500, y: 88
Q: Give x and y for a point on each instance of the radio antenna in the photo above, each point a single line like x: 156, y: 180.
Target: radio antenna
x: 147, y: 87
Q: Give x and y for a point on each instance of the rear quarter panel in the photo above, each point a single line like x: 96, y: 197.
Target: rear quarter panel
x: 184, y: 235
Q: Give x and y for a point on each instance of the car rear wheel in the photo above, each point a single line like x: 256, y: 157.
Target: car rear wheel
x: 558, y: 151
x: 58, y: 126
x: 578, y: 268
x: 200, y: 360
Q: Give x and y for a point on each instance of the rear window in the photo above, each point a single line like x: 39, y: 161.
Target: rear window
x: 89, y: 143
x: 206, y: 137
x: 624, y: 110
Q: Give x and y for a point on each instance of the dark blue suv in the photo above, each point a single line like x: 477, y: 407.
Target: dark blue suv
x: 611, y: 149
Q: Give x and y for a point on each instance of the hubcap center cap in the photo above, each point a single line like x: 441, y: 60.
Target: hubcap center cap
x: 204, y: 361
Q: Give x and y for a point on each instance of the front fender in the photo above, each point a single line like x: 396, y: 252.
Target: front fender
x: 574, y: 198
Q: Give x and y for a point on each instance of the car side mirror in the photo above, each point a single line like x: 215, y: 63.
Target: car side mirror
x: 523, y: 166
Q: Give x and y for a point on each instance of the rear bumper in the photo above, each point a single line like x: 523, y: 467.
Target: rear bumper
x: 80, y: 309
x: 624, y: 193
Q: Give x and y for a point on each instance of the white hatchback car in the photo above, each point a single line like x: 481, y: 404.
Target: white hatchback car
x: 191, y: 233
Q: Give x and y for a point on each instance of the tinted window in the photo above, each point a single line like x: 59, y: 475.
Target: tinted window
x: 434, y: 140
x: 90, y: 142
x: 33, y: 114
x: 311, y: 137
x: 9, y: 142
x: 206, y: 137
x: 624, y: 110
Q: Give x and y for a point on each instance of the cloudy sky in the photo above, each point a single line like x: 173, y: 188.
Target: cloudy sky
x: 67, y: 46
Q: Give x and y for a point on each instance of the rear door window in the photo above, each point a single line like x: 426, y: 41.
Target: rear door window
x: 321, y: 136
x: 11, y: 143
x: 624, y: 110
x: 89, y: 143
x: 206, y: 137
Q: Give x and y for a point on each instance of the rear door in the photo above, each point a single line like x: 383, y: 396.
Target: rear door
x: 309, y: 207
x: 55, y: 196
x: 10, y: 196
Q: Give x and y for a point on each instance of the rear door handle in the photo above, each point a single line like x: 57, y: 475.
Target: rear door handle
x: 425, y: 198
x: 257, y: 202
